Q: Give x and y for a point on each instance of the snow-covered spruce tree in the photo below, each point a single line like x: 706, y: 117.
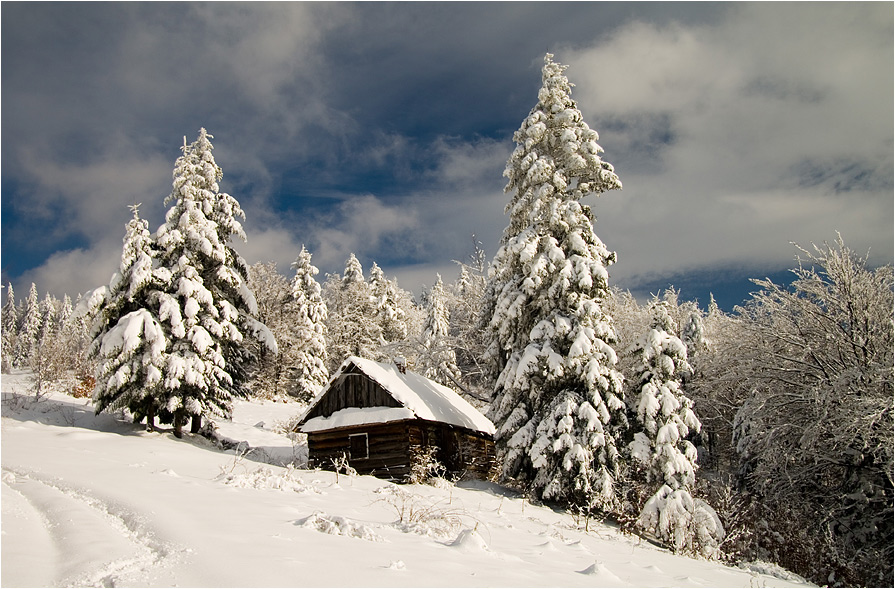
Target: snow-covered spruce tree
x: 128, y: 343
x: 204, y: 302
x: 29, y: 330
x: 389, y: 314
x: 351, y: 325
x: 662, y: 457
x: 437, y: 359
x: 309, y: 371
x: 557, y: 403
x: 9, y: 326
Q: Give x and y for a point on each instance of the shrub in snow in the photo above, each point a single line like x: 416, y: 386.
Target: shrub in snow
x: 688, y: 524
x: 339, y: 526
x: 557, y: 404
x: 815, y: 440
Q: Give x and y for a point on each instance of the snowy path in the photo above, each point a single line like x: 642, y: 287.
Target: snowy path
x: 95, y: 501
x: 80, y: 539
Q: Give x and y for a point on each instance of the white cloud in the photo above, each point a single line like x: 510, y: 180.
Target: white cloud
x: 73, y: 272
x: 774, y: 125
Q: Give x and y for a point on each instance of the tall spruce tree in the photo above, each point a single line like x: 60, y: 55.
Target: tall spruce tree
x: 309, y: 372
x: 557, y: 404
x: 204, y: 302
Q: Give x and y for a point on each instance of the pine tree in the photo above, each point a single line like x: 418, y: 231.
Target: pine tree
x: 437, y: 360
x: 128, y: 343
x: 309, y: 370
x: 557, y: 404
x: 9, y: 325
x: 204, y: 302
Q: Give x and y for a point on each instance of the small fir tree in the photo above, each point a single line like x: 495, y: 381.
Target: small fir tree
x: 557, y: 405
x: 29, y: 330
x: 309, y: 371
x: 389, y: 314
x: 437, y: 360
x: 661, y: 455
x: 9, y: 325
x: 351, y: 326
x: 128, y: 343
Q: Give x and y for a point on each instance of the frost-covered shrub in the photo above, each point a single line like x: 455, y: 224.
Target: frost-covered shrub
x: 688, y: 524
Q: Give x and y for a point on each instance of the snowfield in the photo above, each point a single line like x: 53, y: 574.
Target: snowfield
x: 98, y: 501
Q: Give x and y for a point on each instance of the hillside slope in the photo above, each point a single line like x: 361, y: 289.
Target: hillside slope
x: 97, y: 501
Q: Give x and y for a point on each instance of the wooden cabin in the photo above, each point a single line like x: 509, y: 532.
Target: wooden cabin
x: 385, y: 420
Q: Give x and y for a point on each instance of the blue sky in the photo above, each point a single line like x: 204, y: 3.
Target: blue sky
x: 383, y: 129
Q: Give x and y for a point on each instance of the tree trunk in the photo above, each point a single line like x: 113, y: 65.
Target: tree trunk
x: 150, y: 418
x: 196, y: 424
x: 178, y: 423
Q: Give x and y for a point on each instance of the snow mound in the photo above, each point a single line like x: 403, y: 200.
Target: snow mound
x: 265, y: 478
x: 469, y: 540
x: 599, y: 570
x: 338, y: 526
x: 397, y: 565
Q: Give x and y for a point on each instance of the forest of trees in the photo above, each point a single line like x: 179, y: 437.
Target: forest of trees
x: 766, y: 433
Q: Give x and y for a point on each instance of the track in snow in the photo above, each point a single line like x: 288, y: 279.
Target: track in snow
x: 78, y: 539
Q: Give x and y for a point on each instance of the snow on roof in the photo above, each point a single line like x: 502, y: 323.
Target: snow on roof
x: 357, y: 416
x: 425, y: 398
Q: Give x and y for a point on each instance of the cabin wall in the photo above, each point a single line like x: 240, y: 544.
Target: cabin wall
x: 394, y: 449
x: 389, y: 450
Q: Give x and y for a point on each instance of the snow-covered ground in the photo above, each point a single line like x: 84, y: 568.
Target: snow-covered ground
x: 98, y: 501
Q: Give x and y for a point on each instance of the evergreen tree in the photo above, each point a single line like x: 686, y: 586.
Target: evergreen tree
x: 351, y: 326
x: 389, y: 314
x: 557, y: 404
x: 663, y: 415
x: 9, y: 326
x: 128, y: 342
x: 309, y: 368
x: 437, y: 359
x: 204, y: 302
x: 663, y: 419
x: 29, y: 330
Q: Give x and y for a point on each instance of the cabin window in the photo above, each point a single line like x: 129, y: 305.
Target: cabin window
x: 358, y: 447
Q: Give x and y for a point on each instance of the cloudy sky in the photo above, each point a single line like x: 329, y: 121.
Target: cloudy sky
x: 384, y: 128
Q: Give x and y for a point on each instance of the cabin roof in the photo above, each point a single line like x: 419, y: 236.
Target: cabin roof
x: 419, y: 397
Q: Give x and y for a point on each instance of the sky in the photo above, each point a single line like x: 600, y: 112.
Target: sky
x: 383, y: 129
